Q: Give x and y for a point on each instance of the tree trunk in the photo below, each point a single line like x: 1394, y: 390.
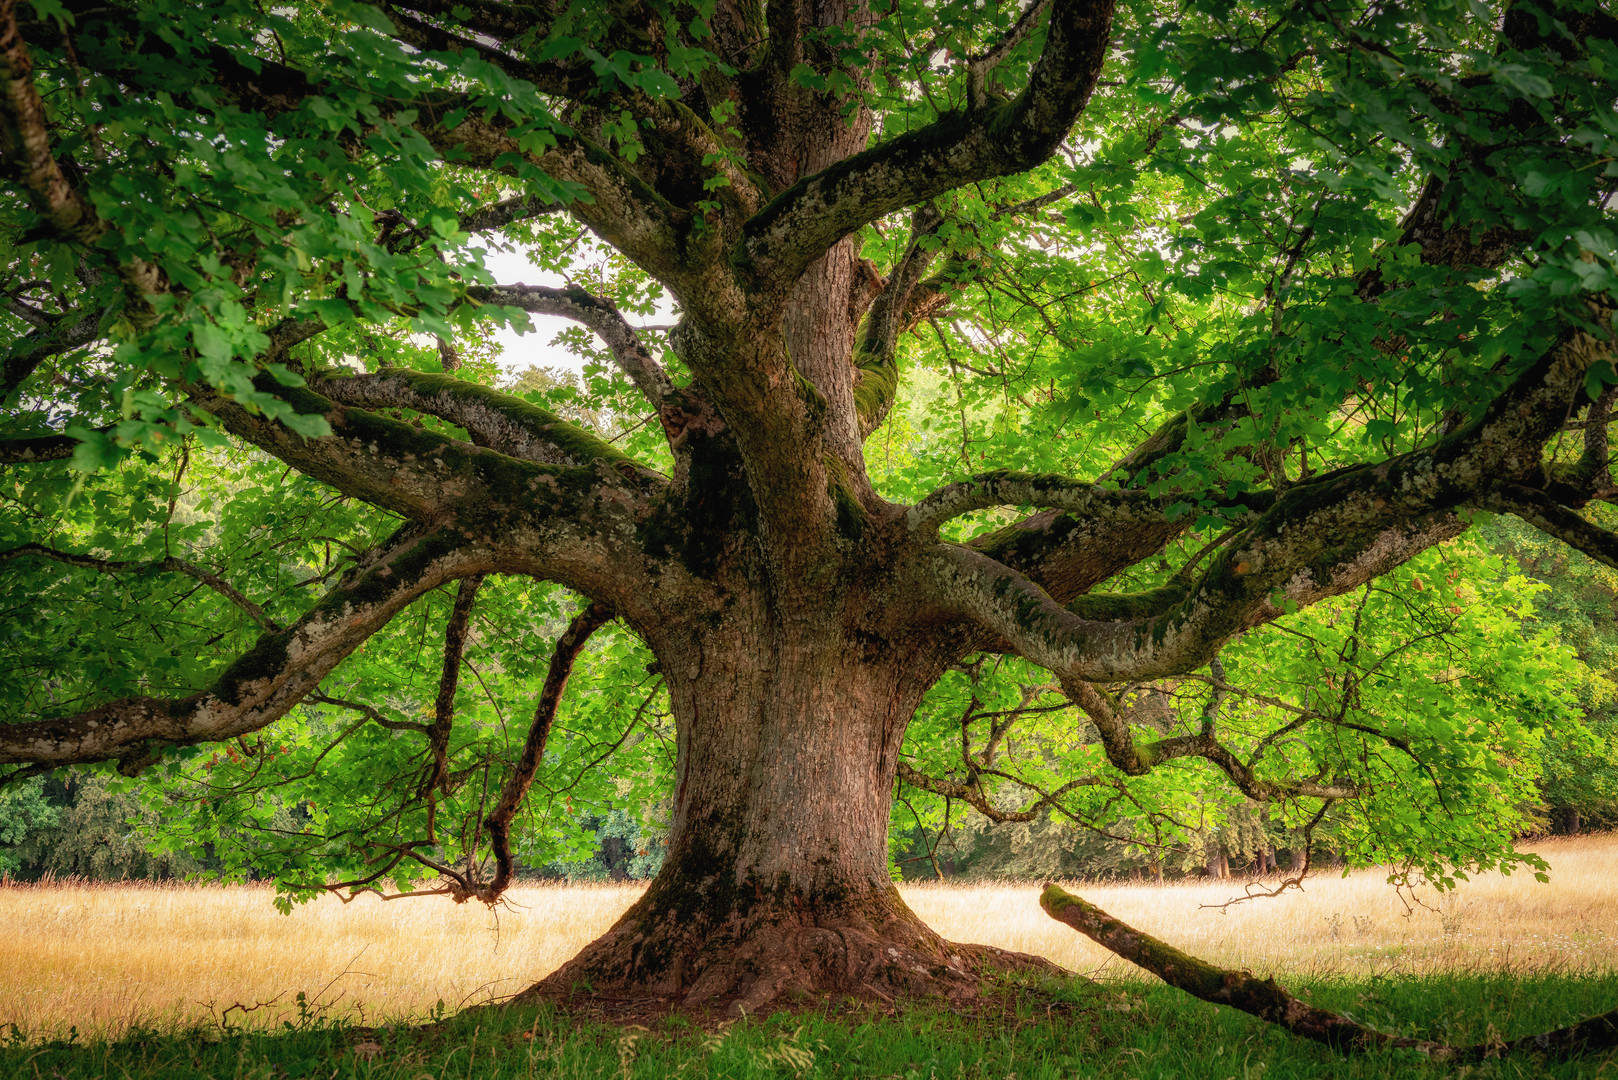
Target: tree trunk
x: 776, y: 885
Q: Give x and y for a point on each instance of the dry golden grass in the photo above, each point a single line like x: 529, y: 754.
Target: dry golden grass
x: 104, y: 957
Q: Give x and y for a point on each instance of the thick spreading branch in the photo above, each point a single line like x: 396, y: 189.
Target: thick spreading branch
x: 801, y: 223
x: 498, y: 421
x: 877, y: 345
x: 1267, y: 1000
x: 1006, y: 488
x: 416, y: 473
x: 281, y: 669
x: 1321, y: 538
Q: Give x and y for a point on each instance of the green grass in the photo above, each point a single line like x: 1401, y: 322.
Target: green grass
x: 1116, y: 1030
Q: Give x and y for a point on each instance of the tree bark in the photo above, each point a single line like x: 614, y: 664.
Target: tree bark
x: 776, y: 885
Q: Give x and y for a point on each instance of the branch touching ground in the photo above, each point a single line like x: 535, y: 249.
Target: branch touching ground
x: 1269, y: 1001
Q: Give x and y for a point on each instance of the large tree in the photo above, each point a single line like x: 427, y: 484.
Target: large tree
x: 1250, y: 303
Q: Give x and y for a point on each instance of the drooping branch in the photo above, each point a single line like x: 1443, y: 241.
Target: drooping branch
x: 170, y: 564
x: 568, y: 647
x: 1270, y: 1002
x: 449, y: 678
x: 801, y: 223
x: 1137, y: 759
x: 974, y: 796
x: 258, y: 688
x: 601, y: 316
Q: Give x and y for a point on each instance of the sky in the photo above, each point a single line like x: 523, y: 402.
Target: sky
x: 520, y: 351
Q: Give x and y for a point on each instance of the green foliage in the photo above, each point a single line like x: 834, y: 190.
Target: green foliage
x: 1234, y: 183
x: 1581, y: 605
x: 1430, y: 694
x: 24, y: 809
x: 80, y: 825
x: 621, y: 847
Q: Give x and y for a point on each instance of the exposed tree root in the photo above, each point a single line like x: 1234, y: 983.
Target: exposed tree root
x: 776, y: 958
x: 1268, y: 1001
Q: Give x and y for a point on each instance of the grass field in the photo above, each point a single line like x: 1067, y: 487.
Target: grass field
x: 103, y: 959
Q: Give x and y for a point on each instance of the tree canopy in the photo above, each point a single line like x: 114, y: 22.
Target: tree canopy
x: 1067, y: 408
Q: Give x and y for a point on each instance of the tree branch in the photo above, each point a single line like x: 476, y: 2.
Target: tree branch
x: 503, y: 422
x: 165, y: 565
x: 507, y: 211
x: 1007, y: 488
x: 568, y: 647
x: 1321, y: 538
x: 1270, y: 1002
x: 877, y: 342
x: 25, y: 141
x: 974, y: 796
x: 601, y: 316
x: 416, y: 473
x: 800, y: 224
x: 31, y: 449
x: 73, y: 330
x: 259, y: 687
x: 1544, y: 513
x: 449, y: 678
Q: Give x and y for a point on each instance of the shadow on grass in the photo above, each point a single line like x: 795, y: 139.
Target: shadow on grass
x: 1052, y: 1030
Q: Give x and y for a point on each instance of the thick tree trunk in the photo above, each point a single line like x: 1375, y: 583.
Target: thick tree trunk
x: 776, y: 886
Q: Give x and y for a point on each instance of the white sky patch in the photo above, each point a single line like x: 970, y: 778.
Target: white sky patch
x: 535, y: 349
x: 518, y: 352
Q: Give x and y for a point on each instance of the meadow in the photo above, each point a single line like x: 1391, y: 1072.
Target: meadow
x: 165, y: 966
x: 102, y: 958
